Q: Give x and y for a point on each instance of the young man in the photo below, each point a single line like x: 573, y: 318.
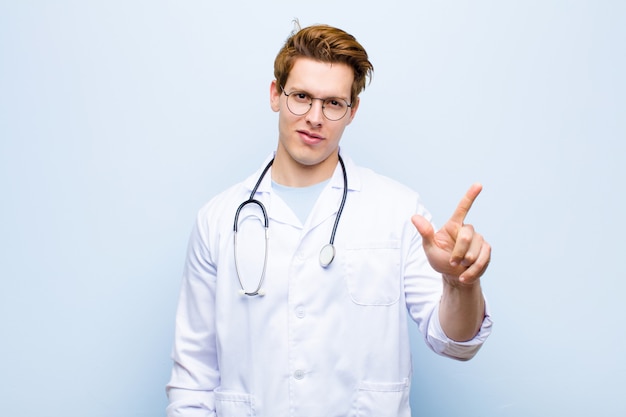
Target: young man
x: 292, y: 325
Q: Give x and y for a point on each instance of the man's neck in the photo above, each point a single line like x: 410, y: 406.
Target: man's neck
x: 290, y: 173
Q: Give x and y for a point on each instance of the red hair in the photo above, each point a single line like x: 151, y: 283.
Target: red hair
x: 325, y: 44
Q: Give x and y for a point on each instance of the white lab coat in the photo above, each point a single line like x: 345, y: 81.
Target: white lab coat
x: 322, y: 342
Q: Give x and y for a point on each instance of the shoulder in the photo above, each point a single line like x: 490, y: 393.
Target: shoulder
x: 373, y: 181
x: 370, y: 182
x: 223, y: 203
x: 383, y: 193
x: 230, y: 198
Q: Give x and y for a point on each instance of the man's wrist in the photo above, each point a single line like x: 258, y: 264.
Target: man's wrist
x: 453, y: 282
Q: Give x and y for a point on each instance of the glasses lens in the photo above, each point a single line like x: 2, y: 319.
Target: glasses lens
x: 299, y: 103
x: 335, y: 108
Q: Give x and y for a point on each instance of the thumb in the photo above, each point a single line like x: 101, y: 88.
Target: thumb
x: 425, y: 229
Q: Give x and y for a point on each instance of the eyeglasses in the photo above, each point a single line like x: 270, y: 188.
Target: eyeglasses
x: 299, y: 103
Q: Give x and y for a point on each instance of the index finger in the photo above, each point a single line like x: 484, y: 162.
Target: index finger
x: 466, y: 203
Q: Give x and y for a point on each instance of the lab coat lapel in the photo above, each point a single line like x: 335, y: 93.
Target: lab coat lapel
x: 277, y: 209
x: 329, y: 201
x: 281, y: 212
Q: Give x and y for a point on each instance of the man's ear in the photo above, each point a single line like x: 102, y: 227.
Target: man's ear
x: 274, y: 97
x: 354, y: 108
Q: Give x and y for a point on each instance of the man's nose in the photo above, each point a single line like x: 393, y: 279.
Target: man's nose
x: 315, y: 115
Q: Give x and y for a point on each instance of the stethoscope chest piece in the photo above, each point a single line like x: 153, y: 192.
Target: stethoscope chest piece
x: 327, y: 254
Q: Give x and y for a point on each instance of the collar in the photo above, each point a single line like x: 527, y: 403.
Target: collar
x: 354, y: 179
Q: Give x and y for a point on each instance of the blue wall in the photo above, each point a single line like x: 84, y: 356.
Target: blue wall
x: 118, y: 119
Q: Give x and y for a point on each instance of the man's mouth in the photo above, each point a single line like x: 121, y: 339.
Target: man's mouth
x: 309, y: 137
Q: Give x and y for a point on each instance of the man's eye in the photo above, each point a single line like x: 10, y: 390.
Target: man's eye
x: 336, y: 103
x: 301, y: 97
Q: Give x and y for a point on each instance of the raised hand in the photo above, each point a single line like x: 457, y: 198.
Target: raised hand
x: 456, y: 250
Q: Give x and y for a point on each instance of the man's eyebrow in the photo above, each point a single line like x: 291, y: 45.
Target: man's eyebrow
x: 299, y: 90
x: 303, y: 91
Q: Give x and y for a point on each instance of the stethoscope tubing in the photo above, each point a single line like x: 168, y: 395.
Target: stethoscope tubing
x: 327, y: 254
x: 343, y: 200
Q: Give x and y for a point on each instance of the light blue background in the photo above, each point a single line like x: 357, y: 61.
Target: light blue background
x: 119, y: 119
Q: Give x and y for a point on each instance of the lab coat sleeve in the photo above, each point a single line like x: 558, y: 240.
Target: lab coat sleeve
x: 423, y: 289
x: 445, y: 346
x: 195, y: 373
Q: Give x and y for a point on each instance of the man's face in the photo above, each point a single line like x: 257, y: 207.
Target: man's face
x: 310, y: 139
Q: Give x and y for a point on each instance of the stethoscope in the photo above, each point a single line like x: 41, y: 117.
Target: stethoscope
x: 327, y: 253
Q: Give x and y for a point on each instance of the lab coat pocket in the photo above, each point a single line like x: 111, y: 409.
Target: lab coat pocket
x: 381, y: 399
x: 233, y: 404
x: 373, y: 272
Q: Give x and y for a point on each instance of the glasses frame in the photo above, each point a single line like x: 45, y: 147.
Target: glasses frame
x: 323, y: 100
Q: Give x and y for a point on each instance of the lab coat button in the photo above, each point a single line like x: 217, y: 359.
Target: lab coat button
x: 298, y: 374
x: 300, y: 313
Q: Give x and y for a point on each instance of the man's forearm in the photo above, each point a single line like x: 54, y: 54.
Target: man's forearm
x: 462, y: 310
